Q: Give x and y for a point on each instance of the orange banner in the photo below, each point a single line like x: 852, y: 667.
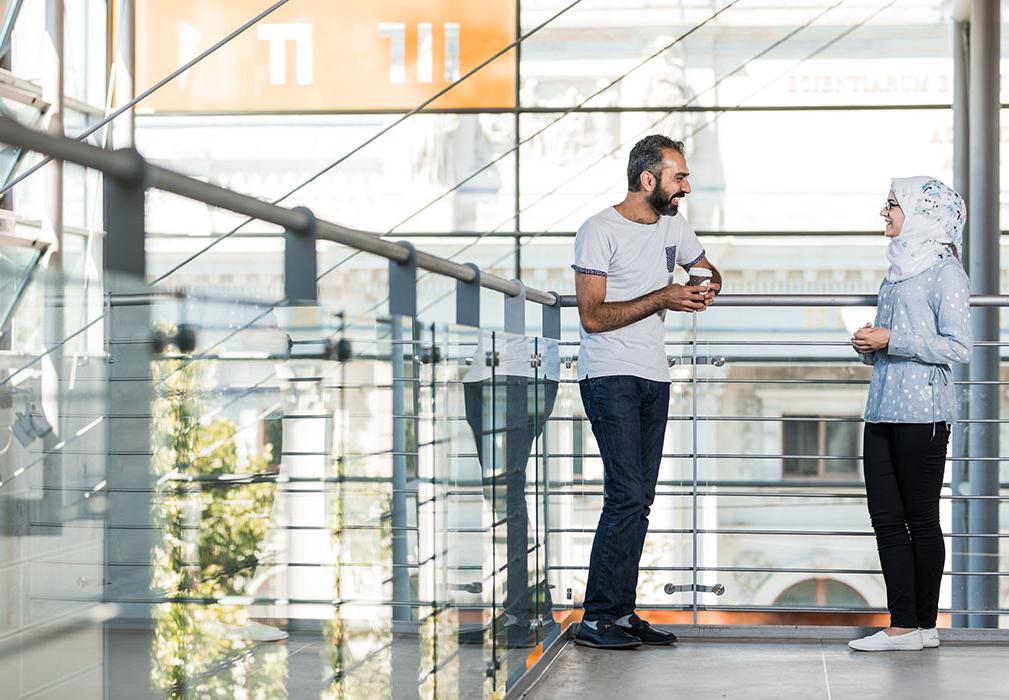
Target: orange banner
x: 324, y: 55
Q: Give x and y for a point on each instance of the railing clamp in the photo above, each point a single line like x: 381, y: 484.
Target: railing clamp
x: 717, y: 589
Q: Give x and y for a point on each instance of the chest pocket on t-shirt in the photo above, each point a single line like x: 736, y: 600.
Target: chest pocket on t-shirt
x: 670, y: 258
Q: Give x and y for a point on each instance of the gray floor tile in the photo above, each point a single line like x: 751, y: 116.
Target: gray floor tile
x: 979, y: 673
x: 696, y: 669
x: 757, y: 670
x: 71, y: 666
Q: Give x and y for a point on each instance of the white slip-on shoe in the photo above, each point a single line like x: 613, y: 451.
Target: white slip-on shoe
x: 881, y: 641
x: 929, y: 637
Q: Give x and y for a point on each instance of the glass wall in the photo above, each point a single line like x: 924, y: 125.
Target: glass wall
x: 762, y: 93
x: 369, y: 489
x: 413, y: 501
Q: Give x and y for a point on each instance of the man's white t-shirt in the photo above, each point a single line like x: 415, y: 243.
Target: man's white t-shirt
x: 635, y: 259
x: 516, y: 356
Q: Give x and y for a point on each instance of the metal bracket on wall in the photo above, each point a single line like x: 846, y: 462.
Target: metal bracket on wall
x: 515, y: 311
x: 300, y: 266
x: 552, y: 318
x: 403, y: 284
x: 717, y: 589
x: 467, y: 300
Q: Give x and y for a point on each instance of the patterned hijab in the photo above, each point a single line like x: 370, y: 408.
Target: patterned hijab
x: 934, y: 217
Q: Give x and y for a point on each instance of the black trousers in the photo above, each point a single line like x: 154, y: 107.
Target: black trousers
x: 904, y: 464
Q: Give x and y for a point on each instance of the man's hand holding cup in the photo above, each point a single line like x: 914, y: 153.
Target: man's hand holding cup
x: 681, y: 297
x: 702, y: 277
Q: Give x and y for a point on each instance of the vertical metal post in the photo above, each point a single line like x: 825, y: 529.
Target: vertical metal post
x: 308, y: 429
x: 402, y: 305
x: 552, y: 318
x: 124, y: 254
x: 7, y: 201
x: 123, y: 206
x: 518, y: 139
x: 403, y: 284
x: 518, y: 252
x: 6, y: 30
x: 961, y: 105
x: 983, y: 220
x: 693, y: 459
x: 400, y: 541
x: 515, y: 311
x: 516, y: 529
x: 467, y: 313
x: 55, y: 285
x: 961, y: 182
x: 124, y: 70
x: 52, y: 93
x: 467, y: 300
x: 401, y: 592
x: 128, y: 535
x: 300, y: 266
x: 493, y: 665
x: 550, y: 346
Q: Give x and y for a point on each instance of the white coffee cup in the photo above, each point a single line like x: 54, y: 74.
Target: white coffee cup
x: 699, y: 277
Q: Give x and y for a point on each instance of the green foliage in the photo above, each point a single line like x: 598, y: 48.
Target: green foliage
x: 212, y: 532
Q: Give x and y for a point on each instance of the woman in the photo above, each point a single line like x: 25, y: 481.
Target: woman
x: 922, y: 325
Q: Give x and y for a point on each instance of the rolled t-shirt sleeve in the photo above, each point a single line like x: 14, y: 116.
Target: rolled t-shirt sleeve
x: 593, y: 251
x: 690, y: 250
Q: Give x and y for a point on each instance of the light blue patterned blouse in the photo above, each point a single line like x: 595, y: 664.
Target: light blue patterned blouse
x: 929, y: 320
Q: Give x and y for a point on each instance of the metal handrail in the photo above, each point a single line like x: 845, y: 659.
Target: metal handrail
x: 792, y: 300
x: 128, y: 165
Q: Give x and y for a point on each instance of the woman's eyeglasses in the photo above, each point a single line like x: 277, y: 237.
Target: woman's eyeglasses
x: 890, y: 204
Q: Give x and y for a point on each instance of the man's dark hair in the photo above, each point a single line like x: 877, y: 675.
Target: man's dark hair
x: 646, y: 156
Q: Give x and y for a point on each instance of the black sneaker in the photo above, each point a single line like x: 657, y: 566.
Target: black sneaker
x: 643, y: 631
x: 606, y: 635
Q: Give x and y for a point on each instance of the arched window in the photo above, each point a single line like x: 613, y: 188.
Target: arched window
x: 821, y: 592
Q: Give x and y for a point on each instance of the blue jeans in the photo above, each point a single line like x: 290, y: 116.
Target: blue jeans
x: 628, y: 418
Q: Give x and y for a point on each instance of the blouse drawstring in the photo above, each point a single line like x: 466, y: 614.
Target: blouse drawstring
x: 941, y: 371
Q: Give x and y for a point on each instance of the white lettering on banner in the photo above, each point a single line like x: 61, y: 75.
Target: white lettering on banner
x: 425, y: 53
x: 278, y: 35
x: 452, y: 72
x: 189, y: 48
x: 395, y: 32
x: 385, y: 55
x: 891, y: 83
x: 869, y: 84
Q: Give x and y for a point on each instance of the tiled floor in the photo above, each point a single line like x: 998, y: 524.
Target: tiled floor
x: 775, y: 669
x: 117, y: 665
x: 89, y: 663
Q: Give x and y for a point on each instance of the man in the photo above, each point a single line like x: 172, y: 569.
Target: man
x: 624, y: 261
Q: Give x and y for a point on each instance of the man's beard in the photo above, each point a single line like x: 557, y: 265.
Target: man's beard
x: 662, y: 204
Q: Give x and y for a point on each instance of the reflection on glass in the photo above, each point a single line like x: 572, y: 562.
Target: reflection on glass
x: 506, y: 410
x: 372, y: 632
x: 17, y: 263
x: 212, y: 530
x: 20, y: 106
